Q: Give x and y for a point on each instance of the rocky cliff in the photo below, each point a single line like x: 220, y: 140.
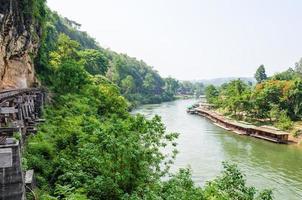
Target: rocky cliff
x: 19, y: 42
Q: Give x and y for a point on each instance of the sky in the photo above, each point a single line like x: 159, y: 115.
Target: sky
x: 195, y: 39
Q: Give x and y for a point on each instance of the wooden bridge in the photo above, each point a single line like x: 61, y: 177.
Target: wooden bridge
x: 19, y: 114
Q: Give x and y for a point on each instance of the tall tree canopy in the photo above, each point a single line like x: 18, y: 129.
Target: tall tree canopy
x: 260, y: 74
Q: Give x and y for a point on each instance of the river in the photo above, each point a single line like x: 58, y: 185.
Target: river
x: 203, y: 147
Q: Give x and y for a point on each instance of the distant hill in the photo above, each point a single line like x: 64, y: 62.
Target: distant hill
x: 220, y: 81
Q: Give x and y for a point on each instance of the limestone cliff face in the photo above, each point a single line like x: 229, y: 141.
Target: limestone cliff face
x: 19, y: 42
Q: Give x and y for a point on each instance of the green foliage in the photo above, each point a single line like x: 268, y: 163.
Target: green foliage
x: 90, y: 143
x: 296, y: 133
x: 287, y: 75
x: 232, y: 185
x: 34, y: 11
x: 65, y: 50
x: 70, y: 77
x: 228, y: 186
x: 128, y: 85
x: 93, y: 146
x: 90, y: 146
x: 171, y: 86
x: 95, y: 61
x: 139, y: 83
x: 17, y: 136
x: 284, y: 122
x: 298, y: 67
x: 181, y: 186
x: 292, y: 102
x: 260, y: 74
x: 68, y: 193
x: 211, y: 94
x: 190, y: 88
x: 63, y: 25
x: 277, y: 100
x: 198, y: 89
x: 235, y: 96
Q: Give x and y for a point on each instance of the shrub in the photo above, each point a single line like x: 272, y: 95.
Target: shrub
x: 284, y: 122
x: 296, y: 133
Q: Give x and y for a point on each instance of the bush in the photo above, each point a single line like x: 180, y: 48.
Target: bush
x: 284, y: 122
x: 296, y: 133
x: 232, y: 185
x: 70, y: 77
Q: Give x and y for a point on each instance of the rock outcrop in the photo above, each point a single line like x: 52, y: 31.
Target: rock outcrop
x: 19, y: 41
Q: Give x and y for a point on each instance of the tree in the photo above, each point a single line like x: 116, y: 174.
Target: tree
x: 70, y: 77
x: 231, y: 184
x: 128, y: 84
x: 171, y: 86
x: 66, y: 49
x: 292, y: 101
x: 236, y: 95
x: 298, y: 67
x: 198, y: 89
x: 265, y: 95
x: 260, y: 74
x: 211, y: 94
x: 149, y: 83
x: 95, y: 61
x: 283, y: 121
x: 186, y: 88
x: 287, y: 75
x: 90, y: 147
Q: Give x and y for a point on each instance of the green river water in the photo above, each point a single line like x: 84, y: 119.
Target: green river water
x: 203, y: 147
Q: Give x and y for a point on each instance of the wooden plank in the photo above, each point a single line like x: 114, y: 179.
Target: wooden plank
x: 26, y: 109
x: 225, y: 128
x: 23, y: 111
x: 20, y: 100
x: 20, y: 117
x: 9, y: 130
x: 31, y: 130
x: 3, y: 139
x: 8, y: 110
x: 267, y: 138
x: 18, y: 123
x: 40, y: 120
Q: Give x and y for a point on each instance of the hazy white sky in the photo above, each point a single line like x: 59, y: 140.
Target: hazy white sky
x: 195, y: 39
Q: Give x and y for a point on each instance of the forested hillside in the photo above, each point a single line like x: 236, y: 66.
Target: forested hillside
x: 90, y: 146
x: 274, y: 100
x: 137, y: 81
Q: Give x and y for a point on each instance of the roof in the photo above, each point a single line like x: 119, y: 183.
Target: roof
x: 242, y: 124
x: 270, y: 130
x: 245, y: 125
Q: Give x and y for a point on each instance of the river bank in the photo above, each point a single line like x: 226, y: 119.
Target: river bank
x: 264, y: 132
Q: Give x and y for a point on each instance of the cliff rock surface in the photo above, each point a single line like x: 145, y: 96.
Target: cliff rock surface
x: 19, y: 42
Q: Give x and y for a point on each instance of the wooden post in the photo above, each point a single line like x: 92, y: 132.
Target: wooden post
x: 11, y: 7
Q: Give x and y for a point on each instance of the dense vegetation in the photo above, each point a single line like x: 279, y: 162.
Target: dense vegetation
x: 273, y: 100
x: 138, y: 82
x: 90, y: 146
